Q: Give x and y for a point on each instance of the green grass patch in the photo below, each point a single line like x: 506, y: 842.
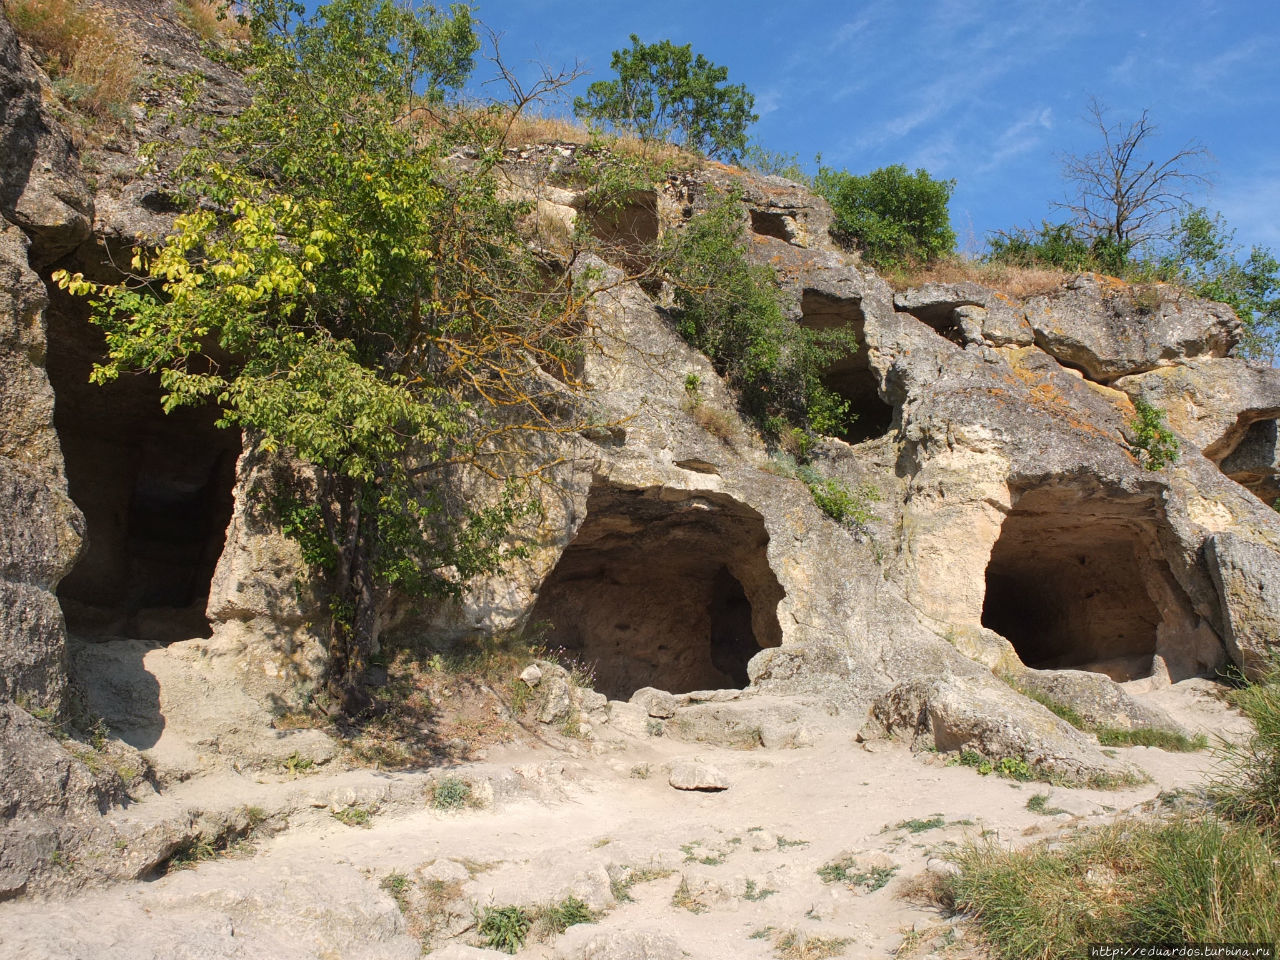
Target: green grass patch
x: 1184, y: 881
x: 846, y: 871
x: 920, y: 826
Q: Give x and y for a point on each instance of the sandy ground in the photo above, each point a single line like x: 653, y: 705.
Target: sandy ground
x: 721, y: 874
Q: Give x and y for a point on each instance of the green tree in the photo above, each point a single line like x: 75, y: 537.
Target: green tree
x: 347, y: 295
x: 893, y: 217
x: 665, y: 92
x: 1204, y: 257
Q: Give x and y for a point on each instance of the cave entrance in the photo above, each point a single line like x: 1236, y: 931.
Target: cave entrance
x: 155, y: 490
x: 1077, y: 580
x: 1254, y: 463
x: 663, y: 588
x: 851, y: 376
x: 628, y: 228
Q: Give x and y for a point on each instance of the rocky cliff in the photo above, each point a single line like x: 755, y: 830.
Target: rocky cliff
x: 1016, y: 543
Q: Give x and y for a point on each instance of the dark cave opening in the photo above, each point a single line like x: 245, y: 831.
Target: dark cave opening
x: 663, y: 588
x: 155, y: 490
x: 769, y: 223
x: 850, y: 377
x: 628, y: 229
x: 1078, y: 582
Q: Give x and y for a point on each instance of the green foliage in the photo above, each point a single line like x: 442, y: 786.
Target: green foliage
x: 764, y: 161
x: 844, y: 870
x: 559, y: 917
x: 917, y: 825
x: 730, y: 310
x: 1040, y: 804
x: 344, y: 295
x: 665, y: 92
x: 1059, y: 246
x: 1153, y: 442
x: 1132, y: 882
x: 356, y: 815
x: 450, y: 793
x: 1204, y: 257
x: 505, y: 928
x: 1248, y: 787
x: 836, y: 499
x: 1150, y: 737
x: 893, y: 217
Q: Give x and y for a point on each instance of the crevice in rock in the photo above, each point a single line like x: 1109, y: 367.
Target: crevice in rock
x: 627, y: 229
x: 155, y: 490
x: 770, y: 223
x: 664, y: 588
x: 850, y: 377
x: 1254, y: 463
x: 942, y: 318
x: 1077, y: 580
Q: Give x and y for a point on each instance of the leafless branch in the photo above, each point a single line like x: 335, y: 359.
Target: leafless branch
x: 1122, y: 193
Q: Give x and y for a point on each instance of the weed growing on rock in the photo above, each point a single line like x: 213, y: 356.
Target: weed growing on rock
x: 1153, y: 442
x: 793, y: 945
x: 685, y: 899
x: 450, y: 793
x: 504, y: 928
x: 1039, y: 803
x: 845, y: 870
x: 920, y: 826
x: 754, y: 893
x: 621, y: 884
x: 356, y: 815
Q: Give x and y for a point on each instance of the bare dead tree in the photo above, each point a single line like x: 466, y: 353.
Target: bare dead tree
x: 1121, y: 192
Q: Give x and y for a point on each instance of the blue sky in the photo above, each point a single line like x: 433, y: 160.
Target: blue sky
x: 987, y: 93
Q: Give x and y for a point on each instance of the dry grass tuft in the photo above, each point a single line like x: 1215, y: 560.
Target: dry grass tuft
x: 213, y: 20
x: 92, y: 66
x: 1018, y: 283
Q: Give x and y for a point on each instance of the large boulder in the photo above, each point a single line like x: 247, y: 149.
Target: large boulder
x: 1109, y: 329
x: 1247, y: 574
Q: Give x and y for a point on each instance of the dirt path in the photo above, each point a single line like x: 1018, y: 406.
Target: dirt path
x: 723, y: 874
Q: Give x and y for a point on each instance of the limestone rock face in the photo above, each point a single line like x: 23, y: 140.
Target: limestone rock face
x: 1247, y: 573
x: 1110, y: 330
x: 42, y: 189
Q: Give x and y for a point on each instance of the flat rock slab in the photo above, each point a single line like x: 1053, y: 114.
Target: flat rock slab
x: 695, y: 775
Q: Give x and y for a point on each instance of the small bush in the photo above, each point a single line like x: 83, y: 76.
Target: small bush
x: 838, y: 501
x: 893, y: 217
x: 559, y: 917
x: 505, y: 928
x: 356, y: 815
x: 845, y: 871
x: 91, y: 66
x: 450, y: 793
x: 1153, y: 442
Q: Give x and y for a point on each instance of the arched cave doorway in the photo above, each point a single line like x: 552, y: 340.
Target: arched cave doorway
x: 1077, y: 580
x: 663, y: 588
x: 850, y: 377
x: 155, y: 490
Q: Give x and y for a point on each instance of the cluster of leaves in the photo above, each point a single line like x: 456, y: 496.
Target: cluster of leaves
x: 1153, y: 442
x: 510, y: 928
x: 665, y: 92
x: 893, y: 217
x: 730, y: 310
x: 1061, y: 246
x: 345, y: 295
x: 1205, y: 258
